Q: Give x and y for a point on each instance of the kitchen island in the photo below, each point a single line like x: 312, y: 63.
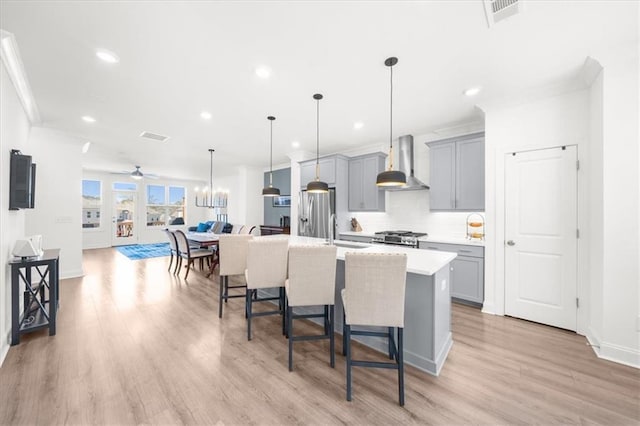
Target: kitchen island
x: 427, y: 329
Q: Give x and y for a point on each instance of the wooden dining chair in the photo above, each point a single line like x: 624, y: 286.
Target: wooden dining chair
x: 173, y: 244
x: 190, y: 254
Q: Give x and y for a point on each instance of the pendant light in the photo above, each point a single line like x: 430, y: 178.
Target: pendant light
x: 391, y: 177
x: 317, y: 186
x: 270, y: 191
x: 208, y: 196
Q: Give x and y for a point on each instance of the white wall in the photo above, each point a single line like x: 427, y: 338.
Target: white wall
x: 549, y: 122
x: 57, y: 213
x: 101, y: 237
x: 603, y: 122
x: 620, y: 339
x: 596, y: 210
x: 14, y: 134
x: 245, y: 206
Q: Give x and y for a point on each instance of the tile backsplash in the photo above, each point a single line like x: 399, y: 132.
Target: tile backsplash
x: 409, y: 211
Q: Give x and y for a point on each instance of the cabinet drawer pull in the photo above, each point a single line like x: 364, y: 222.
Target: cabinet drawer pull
x: 432, y: 248
x: 464, y: 251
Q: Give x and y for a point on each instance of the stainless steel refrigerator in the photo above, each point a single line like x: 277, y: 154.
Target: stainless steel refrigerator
x: 314, y: 214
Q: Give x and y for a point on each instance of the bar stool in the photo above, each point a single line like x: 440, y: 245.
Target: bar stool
x: 374, y: 296
x: 266, y: 268
x: 232, y: 254
x: 312, y: 282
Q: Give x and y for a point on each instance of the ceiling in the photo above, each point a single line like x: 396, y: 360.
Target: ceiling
x: 180, y: 58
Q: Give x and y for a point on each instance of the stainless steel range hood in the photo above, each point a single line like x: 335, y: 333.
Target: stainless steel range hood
x: 405, y: 164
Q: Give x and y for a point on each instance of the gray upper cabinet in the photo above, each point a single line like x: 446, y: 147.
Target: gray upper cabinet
x: 364, y: 194
x: 457, y: 173
x: 327, y: 172
x: 442, y: 176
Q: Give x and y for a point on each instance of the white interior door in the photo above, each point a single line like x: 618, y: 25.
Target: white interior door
x: 541, y: 236
x: 123, y: 229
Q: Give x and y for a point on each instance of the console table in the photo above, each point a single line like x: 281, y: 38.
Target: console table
x: 39, y: 275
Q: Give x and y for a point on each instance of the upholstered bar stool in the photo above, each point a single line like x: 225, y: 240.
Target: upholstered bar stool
x: 232, y: 253
x: 312, y: 282
x: 266, y: 268
x: 374, y: 296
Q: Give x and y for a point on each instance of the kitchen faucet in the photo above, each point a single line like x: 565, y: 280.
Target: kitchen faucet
x: 332, y: 227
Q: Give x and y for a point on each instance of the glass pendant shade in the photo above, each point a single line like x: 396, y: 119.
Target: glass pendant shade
x: 270, y: 191
x: 390, y: 177
x: 317, y: 186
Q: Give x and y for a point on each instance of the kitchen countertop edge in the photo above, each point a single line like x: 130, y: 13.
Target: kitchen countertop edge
x: 421, y: 262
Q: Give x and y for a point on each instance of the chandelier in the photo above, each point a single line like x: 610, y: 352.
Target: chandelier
x: 210, y: 198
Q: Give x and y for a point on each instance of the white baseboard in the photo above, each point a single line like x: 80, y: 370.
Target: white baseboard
x: 94, y: 246
x: 612, y: 352
x: 594, y: 340
x: 4, y: 347
x: 620, y: 354
x: 74, y: 273
x: 488, y: 308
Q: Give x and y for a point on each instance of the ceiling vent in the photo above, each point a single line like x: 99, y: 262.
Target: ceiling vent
x: 154, y: 136
x: 498, y: 10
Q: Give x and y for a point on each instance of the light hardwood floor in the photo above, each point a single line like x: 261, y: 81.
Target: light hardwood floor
x: 137, y: 345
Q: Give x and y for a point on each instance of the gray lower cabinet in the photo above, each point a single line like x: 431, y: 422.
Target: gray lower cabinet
x: 456, y: 174
x: 364, y: 194
x: 467, y: 271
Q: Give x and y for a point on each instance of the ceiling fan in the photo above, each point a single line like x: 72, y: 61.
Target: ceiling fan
x: 137, y: 174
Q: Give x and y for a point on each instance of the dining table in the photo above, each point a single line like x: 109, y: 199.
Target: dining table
x: 207, y: 240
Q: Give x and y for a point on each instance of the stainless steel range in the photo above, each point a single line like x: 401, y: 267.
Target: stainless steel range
x: 399, y: 238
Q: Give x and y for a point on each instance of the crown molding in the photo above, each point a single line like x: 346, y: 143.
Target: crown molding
x: 13, y: 64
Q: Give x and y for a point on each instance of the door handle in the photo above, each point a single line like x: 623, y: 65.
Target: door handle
x: 511, y: 243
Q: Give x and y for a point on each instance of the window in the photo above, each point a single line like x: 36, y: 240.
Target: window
x: 165, y: 204
x: 125, y: 186
x: 91, y: 203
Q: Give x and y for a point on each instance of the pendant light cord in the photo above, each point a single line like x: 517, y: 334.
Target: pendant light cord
x: 391, y: 122
x: 211, y: 173
x: 317, y: 139
x: 271, y: 154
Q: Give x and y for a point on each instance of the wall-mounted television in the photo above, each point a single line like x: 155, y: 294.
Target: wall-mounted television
x: 22, y: 181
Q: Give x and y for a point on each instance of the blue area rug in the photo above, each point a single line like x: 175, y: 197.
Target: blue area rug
x: 145, y: 251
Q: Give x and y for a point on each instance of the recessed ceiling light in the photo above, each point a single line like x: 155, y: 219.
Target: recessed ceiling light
x: 85, y: 147
x: 107, y: 56
x: 358, y: 125
x: 295, y: 144
x: 472, y: 91
x: 88, y: 119
x: 263, y: 72
x: 205, y: 115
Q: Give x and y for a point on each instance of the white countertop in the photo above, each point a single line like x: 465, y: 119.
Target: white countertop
x: 447, y: 239
x: 450, y: 240
x: 358, y: 234
x: 422, y: 262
